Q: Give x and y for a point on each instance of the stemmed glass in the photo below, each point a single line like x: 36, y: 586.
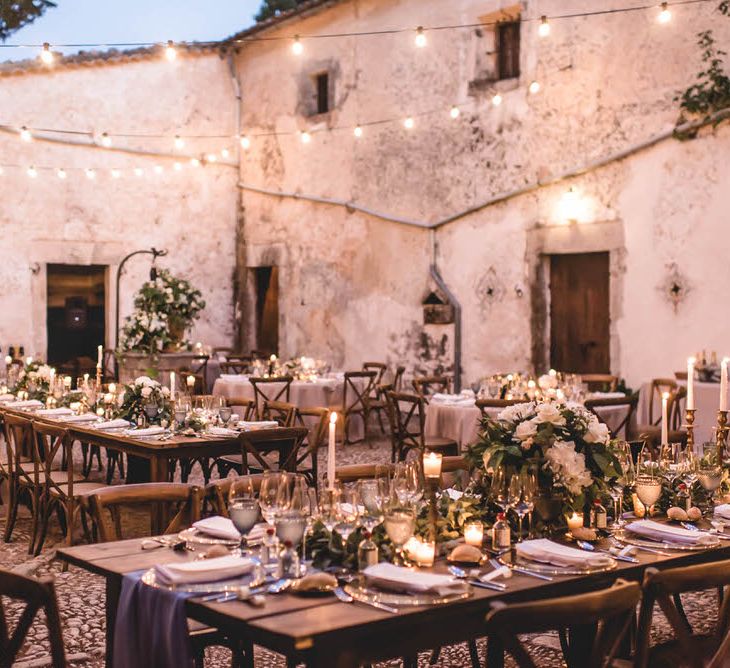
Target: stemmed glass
x: 312, y: 514
x: 648, y: 481
x: 151, y: 409
x: 292, y: 504
x: 669, y: 461
x: 270, y: 496
x: 400, y: 523
x: 520, y: 497
x: 329, y: 507
x: 499, y: 488
x: 406, y: 483
x: 243, y: 508
x: 349, y: 513
x: 689, y: 465
x: 224, y: 410
x: 181, y: 411
x: 709, y: 474
x: 625, y: 480
x: 373, y: 496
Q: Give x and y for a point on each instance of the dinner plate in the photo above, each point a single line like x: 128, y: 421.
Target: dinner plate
x: 627, y: 537
x: 511, y: 559
x: 197, y: 537
x: 254, y: 579
x: 365, y: 593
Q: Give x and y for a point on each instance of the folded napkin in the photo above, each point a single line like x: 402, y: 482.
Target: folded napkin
x: 548, y: 552
x: 218, y: 527
x: 397, y: 578
x: 257, y: 533
x: 723, y: 510
x: 147, y: 431
x: 4, y: 398
x: 205, y: 570
x: 222, y: 431
x: 253, y: 426
x: 84, y: 417
x: 668, y: 533
x: 55, y: 411
x: 112, y: 424
x: 30, y: 403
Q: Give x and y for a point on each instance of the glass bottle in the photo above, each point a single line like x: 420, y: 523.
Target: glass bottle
x: 288, y: 565
x: 600, y: 520
x: 684, y: 501
x: 367, y: 552
x: 269, y: 547
x: 501, y: 533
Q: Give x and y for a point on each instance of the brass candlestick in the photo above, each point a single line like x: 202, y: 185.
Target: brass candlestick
x: 689, y: 425
x: 432, y: 485
x: 722, y: 430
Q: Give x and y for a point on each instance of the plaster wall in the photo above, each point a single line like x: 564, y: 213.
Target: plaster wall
x: 191, y: 213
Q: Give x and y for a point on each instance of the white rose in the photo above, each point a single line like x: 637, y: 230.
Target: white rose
x: 146, y: 392
x: 568, y: 466
x: 142, y: 380
x: 547, y: 382
x: 549, y: 413
x: 525, y: 430
x: 166, y: 391
x: 597, y: 432
x: 516, y: 412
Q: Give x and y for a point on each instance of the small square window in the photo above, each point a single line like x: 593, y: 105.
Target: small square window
x: 322, y: 82
x: 508, y: 50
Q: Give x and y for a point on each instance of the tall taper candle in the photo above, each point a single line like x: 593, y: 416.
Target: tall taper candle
x: 690, y: 383
x: 331, y: 452
x: 665, y: 418
x: 172, y: 385
x: 100, y: 353
x: 723, y: 384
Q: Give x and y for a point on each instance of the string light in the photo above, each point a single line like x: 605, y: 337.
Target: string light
x: 497, y: 99
x: 409, y: 123
x: 138, y: 171
x: 179, y: 142
x: 116, y: 173
x: 158, y: 169
x: 46, y: 54
x: 297, y: 47
x: 90, y: 174
x: 170, y: 50
x: 211, y: 157
x: 25, y: 134
x: 32, y: 172
x: 106, y: 140
x: 665, y: 16
x: 305, y: 137
x: 61, y: 173
x: 225, y: 152
x: 420, y: 37
x: 245, y: 143
x: 195, y: 162
x: 534, y: 87
x: 357, y: 131
x: 455, y: 113
x: 544, y: 28
x: 177, y: 166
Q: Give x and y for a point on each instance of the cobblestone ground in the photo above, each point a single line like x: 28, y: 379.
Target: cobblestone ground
x: 81, y: 600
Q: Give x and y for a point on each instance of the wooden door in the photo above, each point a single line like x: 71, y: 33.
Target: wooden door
x: 579, y: 313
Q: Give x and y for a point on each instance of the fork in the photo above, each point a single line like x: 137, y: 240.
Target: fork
x: 346, y: 598
x: 523, y: 571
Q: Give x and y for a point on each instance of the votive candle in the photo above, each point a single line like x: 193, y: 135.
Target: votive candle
x: 190, y: 381
x: 474, y: 534
x: 575, y: 521
x: 425, y: 554
x: 432, y: 464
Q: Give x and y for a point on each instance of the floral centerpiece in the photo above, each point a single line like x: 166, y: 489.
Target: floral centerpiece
x: 35, y: 380
x: 565, y: 444
x: 165, y: 308
x: 141, y: 393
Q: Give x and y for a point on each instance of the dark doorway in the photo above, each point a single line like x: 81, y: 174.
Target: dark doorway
x: 76, y: 316
x: 266, y: 280
x: 579, y: 313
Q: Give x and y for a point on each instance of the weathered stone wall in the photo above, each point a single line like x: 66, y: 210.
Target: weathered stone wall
x: 352, y: 284
x: 191, y: 213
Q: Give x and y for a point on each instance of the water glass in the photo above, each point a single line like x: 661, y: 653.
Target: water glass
x: 400, y: 523
x: 243, y: 508
x: 349, y: 513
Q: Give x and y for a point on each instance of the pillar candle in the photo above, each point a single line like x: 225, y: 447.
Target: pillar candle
x: 172, y: 385
x: 665, y: 418
x: 723, y: 384
x: 8, y: 360
x: 575, y: 520
x: 51, y: 378
x: 474, y: 534
x: 99, y: 354
x: 191, y: 382
x: 690, y: 383
x: 331, y: 452
x: 86, y: 380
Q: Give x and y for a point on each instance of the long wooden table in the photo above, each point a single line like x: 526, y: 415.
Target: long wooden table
x: 326, y: 632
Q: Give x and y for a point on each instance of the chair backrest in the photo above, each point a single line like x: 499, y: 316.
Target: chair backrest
x: 355, y: 472
x: 236, y: 366
x: 658, y: 387
x: 485, y: 404
x: 249, y: 406
x: 106, y: 505
x: 216, y: 492
x: 50, y: 441
x: 199, y: 384
x: 274, y: 388
x: 426, y: 386
x: 222, y: 350
x: 315, y: 420
x: 680, y: 375
x: 629, y: 403
x: 612, y: 609
x: 408, y: 421
x: 398, y: 378
x: 19, y: 444
x: 599, y: 382
x: 663, y: 587
x: 287, y: 442
x: 36, y: 594
x: 357, y: 390
x: 379, y: 367
x: 280, y: 411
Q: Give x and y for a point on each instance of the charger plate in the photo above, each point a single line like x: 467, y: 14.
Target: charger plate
x: 628, y: 538
x: 254, y: 579
x: 365, y: 593
x: 512, y: 560
x: 197, y: 537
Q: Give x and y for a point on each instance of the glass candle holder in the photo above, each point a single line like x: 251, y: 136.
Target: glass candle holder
x: 474, y: 534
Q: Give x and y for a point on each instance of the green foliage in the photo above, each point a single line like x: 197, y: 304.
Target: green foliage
x: 34, y: 379
x: 271, y: 8
x: 14, y: 14
x: 136, y: 395
x: 711, y: 92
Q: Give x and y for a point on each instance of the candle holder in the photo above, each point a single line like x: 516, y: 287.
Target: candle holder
x: 722, y: 430
x: 689, y: 425
x: 432, y: 485
x: 98, y: 379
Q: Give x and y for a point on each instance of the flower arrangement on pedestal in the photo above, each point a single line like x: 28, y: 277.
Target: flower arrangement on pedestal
x: 34, y: 380
x: 145, y: 398
x: 165, y: 308
x: 566, y: 445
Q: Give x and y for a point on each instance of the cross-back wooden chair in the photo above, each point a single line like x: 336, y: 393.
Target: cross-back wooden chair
x: 612, y: 610
x: 106, y: 505
x: 379, y: 367
x: 376, y: 399
x: 8, y: 462
x: 199, y: 386
x: 686, y: 648
x: 628, y: 403
x: 657, y: 388
x: 378, y: 403
x: 356, y: 400
x: 408, y: 419
x: 248, y: 406
x: 37, y: 594
x: 680, y: 375
x: 427, y: 386
x: 599, y: 382
x: 398, y: 378
x: 279, y: 411
x: 199, y: 364
x: 285, y: 443
x: 315, y: 421
x: 216, y: 492
x: 488, y: 406
x: 275, y: 388
x: 651, y: 433
x: 222, y: 350
x: 62, y: 490
x: 236, y: 366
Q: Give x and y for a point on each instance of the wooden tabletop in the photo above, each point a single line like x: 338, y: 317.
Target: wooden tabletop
x: 325, y: 631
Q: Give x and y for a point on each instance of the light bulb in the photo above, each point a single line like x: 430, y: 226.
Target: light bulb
x: 138, y: 171
x: 357, y: 131
x: 305, y: 137
x: 106, y: 140
x: 297, y: 47
x: 25, y: 134
x: 170, y: 50
x: 158, y: 169
x: 534, y: 87
x: 61, y: 173
x: 90, y: 174
x: 420, y: 37
x: 665, y: 16
x: 455, y: 112
x: 409, y: 123
x: 225, y: 152
x: 245, y: 143
x: 497, y: 99
x: 177, y: 166
x: 46, y: 54
x: 544, y: 28
x: 116, y: 173
x: 32, y: 172
x: 179, y: 142
x: 211, y: 157
x: 195, y: 162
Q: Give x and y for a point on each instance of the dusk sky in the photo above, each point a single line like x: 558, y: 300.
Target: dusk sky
x: 108, y: 21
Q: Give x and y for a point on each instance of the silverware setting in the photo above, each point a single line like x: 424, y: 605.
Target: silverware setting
x: 346, y: 598
x: 584, y: 545
x: 522, y: 570
x: 472, y: 577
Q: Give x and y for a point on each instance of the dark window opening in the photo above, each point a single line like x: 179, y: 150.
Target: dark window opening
x: 323, y: 93
x: 508, y: 50
x: 267, y: 309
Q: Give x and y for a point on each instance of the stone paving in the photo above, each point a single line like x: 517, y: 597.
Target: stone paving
x: 81, y: 600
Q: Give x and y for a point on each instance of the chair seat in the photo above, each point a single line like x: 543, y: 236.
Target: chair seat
x: 439, y: 443
x: 80, y: 488
x: 58, y: 477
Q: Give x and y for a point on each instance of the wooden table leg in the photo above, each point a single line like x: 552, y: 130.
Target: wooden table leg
x: 158, y: 473
x: 113, y: 589
x: 580, y: 639
x: 495, y: 652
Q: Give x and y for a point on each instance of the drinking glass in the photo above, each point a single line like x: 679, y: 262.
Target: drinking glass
x: 151, y: 409
x: 520, y: 498
x: 373, y: 496
x: 499, y: 488
x: 648, y: 489
x: 270, y: 495
x: 180, y: 414
x: 224, y: 413
x: 349, y: 512
x: 406, y: 485
x: 400, y: 522
x: 243, y: 508
x: 312, y: 514
x: 709, y: 474
x: 329, y: 507
x: 669, y: 461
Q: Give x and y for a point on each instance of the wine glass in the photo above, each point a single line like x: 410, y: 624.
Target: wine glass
x: 516, y: 491
x: 406, y: 483
x: 329, y: 507
x: 709, y: 474
x: 311, y: 515
x: 399, y: 522
x: 243, y: 508
x: 624, y: 481
x: 669, y: 461
x: 270, y: 495
x: 499, y: 488
x: 224, y: 410
x: 349, y: 512
x: 373, y: 496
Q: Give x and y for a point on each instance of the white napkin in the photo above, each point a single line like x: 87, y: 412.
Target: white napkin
x: 148, y: 431
x: 55, y: 411
x: 667, y: 533
x: 204, y: 570
x: 222, y: 431
x: 548, y: 552
x: 253, y: 426
x: 84, y: 417
x: 454, y: 494
x: 257, y: 533
x: 397, y: 578
x: 606, y: 395
x: 218, y: 527
x: 112, y: 424
x: 723, y: 510
x: 30, y: 403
